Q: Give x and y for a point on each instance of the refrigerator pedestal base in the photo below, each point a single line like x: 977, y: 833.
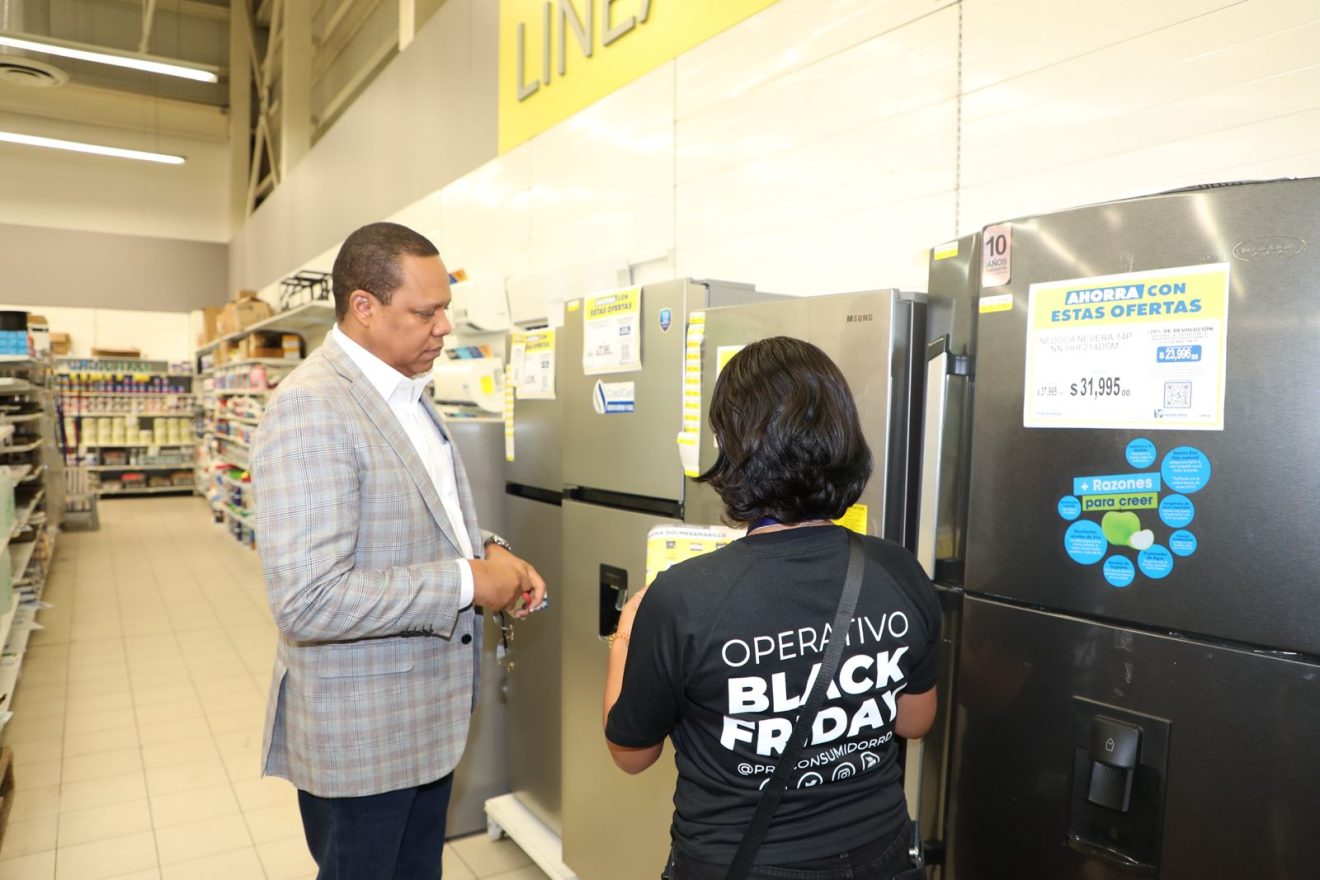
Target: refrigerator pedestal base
x: 506, y: 814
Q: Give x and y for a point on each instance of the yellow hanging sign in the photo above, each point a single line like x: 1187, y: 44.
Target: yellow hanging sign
x: 559, y: 57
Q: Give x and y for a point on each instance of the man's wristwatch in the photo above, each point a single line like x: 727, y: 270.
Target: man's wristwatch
x: 497, y: 541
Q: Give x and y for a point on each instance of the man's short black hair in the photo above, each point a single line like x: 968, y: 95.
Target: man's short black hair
x: 369, y: 260
x: 791, y: 444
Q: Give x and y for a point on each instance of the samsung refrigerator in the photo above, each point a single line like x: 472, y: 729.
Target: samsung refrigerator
x: 621, y: 379
x: 532, y: 663
x: 876, y: 338
x: 1119, y: 490
x: 483, y: 772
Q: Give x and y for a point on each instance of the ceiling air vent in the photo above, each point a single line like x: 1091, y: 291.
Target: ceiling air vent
x: 15, y: 70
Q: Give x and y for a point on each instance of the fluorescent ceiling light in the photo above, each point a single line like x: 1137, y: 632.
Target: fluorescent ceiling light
x: 80, y: 52
x: 79, y: 147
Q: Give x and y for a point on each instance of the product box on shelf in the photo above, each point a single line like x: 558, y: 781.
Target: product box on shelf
x: 228, y: 351
x: 14, y: 342
x: 263, y: 344
x: 244, y: 310
x: 39, y: 330
x: 60, y: 343
x: 210, y: 324
x: 126, y: 352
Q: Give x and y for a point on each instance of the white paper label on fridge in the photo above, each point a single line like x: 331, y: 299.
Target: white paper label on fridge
x: 534, y: 354
x: 612, y: 332
x: 1141, y: 350
x: 996, y: 255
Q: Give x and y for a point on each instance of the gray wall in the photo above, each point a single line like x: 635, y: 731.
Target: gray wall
x: 62, y: 267
x: 427, y: 119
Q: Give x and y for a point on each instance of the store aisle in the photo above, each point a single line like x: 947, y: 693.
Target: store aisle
x: 138, y: 720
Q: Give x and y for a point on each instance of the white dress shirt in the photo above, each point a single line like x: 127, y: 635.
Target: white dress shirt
x: 404, y: 397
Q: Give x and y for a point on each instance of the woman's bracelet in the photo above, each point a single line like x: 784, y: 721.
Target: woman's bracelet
x: 616, y: 636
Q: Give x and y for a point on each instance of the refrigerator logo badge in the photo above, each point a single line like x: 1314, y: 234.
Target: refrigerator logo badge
x: 666, y: 319
x: 858, y: 319
x: 611, y: 398
x: 1274, y: 247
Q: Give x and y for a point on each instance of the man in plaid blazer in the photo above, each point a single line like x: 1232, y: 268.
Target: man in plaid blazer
x: 373, y: 564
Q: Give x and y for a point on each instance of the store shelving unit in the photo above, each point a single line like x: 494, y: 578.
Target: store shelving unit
x: 31, y: 460
x: 130, y: 423
x: 233, y: 393
x: 311, y: 321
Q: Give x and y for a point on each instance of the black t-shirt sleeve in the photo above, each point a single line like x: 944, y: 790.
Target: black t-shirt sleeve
x: 924, y: 673
x: 650, y: 701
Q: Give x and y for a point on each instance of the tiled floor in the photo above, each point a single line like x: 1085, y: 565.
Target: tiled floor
x: 138, y: 717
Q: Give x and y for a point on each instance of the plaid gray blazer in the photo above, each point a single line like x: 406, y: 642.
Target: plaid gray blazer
x: 375, y: 672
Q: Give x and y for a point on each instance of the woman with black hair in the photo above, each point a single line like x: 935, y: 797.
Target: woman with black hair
x: 722, y: 650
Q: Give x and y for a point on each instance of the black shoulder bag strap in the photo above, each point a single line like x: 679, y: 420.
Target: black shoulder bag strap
x: 774, y: 789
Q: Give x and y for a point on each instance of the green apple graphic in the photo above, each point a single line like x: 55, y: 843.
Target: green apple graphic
x: 1119, y: 526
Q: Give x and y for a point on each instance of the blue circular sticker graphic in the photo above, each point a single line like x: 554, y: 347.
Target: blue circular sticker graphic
x: 1176, y: 510
x: 1185, y: 469
x: 1119, y: 571
x: 1069, y: 507
x: 1085, y: 542
x: 1155, y: 562
x: 1141, y: 453
x: 1182, y: 542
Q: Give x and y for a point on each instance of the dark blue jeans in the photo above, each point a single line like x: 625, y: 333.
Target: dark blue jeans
x: 879, y: 860
x: 398, y: 835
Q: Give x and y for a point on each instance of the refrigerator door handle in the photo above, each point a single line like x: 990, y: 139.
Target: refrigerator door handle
x: 942, y: 367
x: 932, y: 438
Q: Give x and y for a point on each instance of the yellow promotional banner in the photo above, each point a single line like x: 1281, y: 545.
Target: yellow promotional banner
x: 854, y: 519
x: 669, y: 545
x: 558, y: 56
x: 1144, y: 350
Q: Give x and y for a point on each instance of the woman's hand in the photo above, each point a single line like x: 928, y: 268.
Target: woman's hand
x: 629, y: 613
x: 630, y: 760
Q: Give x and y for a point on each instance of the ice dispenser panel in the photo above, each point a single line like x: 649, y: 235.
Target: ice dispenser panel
x: 613, y: 595
x: 1117, y: 786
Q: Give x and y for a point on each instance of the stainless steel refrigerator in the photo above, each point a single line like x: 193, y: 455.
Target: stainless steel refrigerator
x: 532, y: 664
x: 621, y: 476
x: 483, y: 772
x: 1122, y: 439
x: 876, y: 339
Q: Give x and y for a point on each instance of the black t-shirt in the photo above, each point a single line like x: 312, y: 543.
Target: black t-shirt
x: 720, y: 657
